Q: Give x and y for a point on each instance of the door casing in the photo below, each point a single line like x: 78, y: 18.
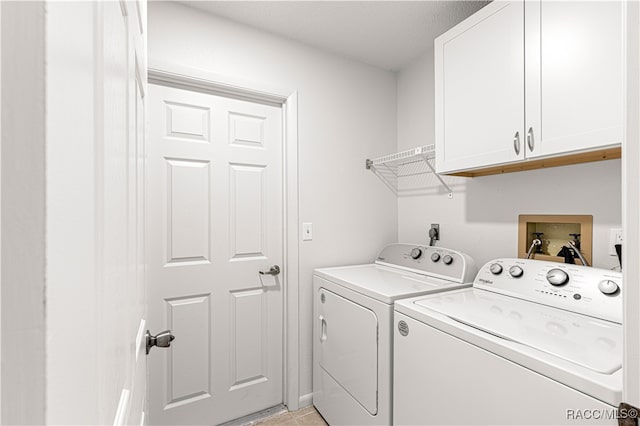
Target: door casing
x: 631, y: 206
x: 174, y: 75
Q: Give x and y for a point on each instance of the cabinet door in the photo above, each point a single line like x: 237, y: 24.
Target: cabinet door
x: 479, y: 89
x: 574, y: 68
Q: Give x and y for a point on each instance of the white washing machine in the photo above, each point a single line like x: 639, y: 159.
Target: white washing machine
x: 353, y: 320
x: 532, y: 342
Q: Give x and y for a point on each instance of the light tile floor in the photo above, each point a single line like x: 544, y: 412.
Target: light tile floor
x: 307, y: 416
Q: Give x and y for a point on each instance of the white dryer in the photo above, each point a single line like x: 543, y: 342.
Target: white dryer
x: 532, y: 342
x: 353, y: 320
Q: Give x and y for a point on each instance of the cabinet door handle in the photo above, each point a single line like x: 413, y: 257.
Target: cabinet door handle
x: 530, y: 139
x: 516, y: 143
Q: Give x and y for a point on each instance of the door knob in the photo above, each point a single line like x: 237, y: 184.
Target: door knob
x: 275, y: 270
x: 161, y: 340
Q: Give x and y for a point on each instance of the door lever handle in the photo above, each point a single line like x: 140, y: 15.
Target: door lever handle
x: 275, y: 270
x: 161, y: 340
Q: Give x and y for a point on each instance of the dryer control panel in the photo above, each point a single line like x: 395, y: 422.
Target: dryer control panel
x: 589, y: 291
x: 437, y: 262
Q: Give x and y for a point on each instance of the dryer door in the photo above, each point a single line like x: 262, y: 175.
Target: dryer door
x: 349, y: 347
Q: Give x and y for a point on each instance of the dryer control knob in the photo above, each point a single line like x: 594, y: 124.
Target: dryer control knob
x: 516, y: 271
x: 416, y: 253
x: 447, y: 259
x: 557, y: 277
x: 608, y: 287
x: 435, y: 257
x: 495, y: 268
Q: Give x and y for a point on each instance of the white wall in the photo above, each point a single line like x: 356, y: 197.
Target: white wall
x: 23, y: 213
x: 482, y: 218
x: 347, y: 112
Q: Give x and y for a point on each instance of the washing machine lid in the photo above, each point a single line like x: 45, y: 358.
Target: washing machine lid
x: 384, y: 283
x: 589, y: 342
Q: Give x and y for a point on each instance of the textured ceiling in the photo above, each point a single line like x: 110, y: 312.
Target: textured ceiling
x: 385, y: 34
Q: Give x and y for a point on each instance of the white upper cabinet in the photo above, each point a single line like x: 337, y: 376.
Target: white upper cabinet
x: 574, y: 68
x: 528, y: 80
x: 479, y: 92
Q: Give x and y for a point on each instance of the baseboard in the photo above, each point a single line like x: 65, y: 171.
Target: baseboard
x: 305, y: 401
x: 258, y: 417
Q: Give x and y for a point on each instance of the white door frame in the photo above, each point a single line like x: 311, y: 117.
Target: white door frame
x: 630, y: 206
x: 170, y: 74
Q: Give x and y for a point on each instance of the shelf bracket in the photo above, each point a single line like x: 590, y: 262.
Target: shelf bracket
x: 433, y: 170
x: 385, y: 180
x: 368, y: 164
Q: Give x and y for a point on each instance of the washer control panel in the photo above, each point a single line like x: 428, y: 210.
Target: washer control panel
x: 589, y: 291
x: 427, y: 260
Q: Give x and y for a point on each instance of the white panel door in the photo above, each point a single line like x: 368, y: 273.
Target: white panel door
x: 214, y: 221
x: 137, y: 17
x: 479, y: 89
x: 95, y: 294
x: 574, y: 75
x: 122, y: 298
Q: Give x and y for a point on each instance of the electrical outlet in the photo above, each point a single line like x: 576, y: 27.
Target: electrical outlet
x: 436, y: 226
x: 615, y: 237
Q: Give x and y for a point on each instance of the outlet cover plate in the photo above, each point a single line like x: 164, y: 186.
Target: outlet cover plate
x: 307, y: 231
x: 615, y: 237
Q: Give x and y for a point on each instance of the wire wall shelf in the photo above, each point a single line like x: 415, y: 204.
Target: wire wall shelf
x: 413, y: 162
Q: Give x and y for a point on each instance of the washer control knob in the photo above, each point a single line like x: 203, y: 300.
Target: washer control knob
x: 435, y: 257
x: 447, y: 259
x: 557, y: 277
x: 516, y: 271
x: 416, y: 253
x: 608, y: 286
x: 495, y: 268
